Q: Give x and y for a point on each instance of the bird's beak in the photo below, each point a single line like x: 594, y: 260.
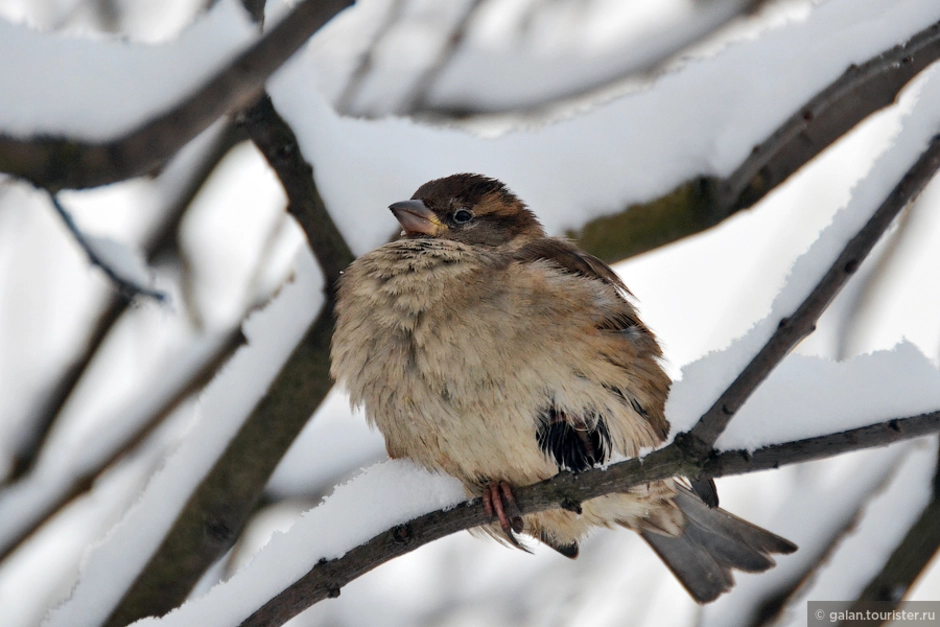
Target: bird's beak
x: 415, y: 217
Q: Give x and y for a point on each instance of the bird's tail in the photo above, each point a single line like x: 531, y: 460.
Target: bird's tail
x: 712, y: 543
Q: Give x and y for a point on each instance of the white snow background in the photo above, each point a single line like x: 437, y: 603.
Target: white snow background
x: 700, y: 294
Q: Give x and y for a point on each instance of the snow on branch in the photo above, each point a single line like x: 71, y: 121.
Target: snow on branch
x: 126, y: 270
x: 691, y: 454
x: 793, y: 328
x: 647, y: 58
x: 567, y: 490
x: 813, y: 127
x: 57, y: 163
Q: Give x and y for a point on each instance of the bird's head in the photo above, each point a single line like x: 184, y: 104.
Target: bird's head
x: 467, y: 208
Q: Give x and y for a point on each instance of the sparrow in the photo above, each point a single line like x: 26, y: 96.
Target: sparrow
x: 485, y: 349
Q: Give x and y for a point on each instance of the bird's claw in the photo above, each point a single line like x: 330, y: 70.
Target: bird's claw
x: 499, y: 502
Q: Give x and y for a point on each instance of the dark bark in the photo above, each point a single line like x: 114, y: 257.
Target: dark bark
x: 700, y: 204
x: 566, y: 490
x: 802, y: 322
x: 59, y: 163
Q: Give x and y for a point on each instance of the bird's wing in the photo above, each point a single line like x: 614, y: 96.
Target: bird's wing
x: 632, y: 346
x: 570, y: 258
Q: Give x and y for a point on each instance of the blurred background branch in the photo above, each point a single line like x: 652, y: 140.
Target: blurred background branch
x: 918, y: 547
x: 703, y: 203
x: 55, y: 164
x: 218, y: 510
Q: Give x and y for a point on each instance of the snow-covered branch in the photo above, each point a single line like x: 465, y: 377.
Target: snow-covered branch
x: 162, y: 241
x: 700, y: 204
x: 274, y: 137
x: 706, y: 20
x: 81, y: 483
x: 567, y: 490
x: 57, y: 163
x: 802, y: 321
x: 274, y: 424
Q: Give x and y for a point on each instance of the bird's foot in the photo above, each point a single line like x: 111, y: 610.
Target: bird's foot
x: 499, y: 502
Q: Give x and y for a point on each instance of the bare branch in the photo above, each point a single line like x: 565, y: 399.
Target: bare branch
x: 702, y: 203
x: 908, y: 560
x: 567, y: 490
x: 219, y: 508
x: 708, y: 20
x: 417, y: 99
x: 802, y: 322
x: 125, y: 285
x: 163, y: 240
x: 55, y: 164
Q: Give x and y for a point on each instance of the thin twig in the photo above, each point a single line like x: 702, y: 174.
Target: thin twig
x: 624, y: 64
x: 802, y: 322
x: 417, y: 99
x: 328, y: 576
x: 55, y: 164
x: 160, y: 242
x: 83, y: 483
x: 865, y: 296
x: 128, y: 288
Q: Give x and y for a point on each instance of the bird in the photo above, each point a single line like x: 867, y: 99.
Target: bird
x: 483, y: 348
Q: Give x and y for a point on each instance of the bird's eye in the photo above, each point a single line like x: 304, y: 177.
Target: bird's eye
x: 462, y: 216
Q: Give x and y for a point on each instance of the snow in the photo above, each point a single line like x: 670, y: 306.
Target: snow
x: 703, y: 381
x: 809, y: 396
x: 702, y: 117
x: 631, y: 149
x: 327, y: 448
x: 99, y: 89
x: 882, y: 525
x: 114, y: 563
x: 393, y: 492
x: 126, y: 263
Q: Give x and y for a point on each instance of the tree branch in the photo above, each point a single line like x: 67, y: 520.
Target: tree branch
x: 566, y: 491
x: 802, y: 322
x: 908, y: 560
x: 162, y: 241
x: 278, y: 143
x: 702, y: 203
x: 127, y: 287
x: 219, y: 508
x: 714, y: 16
x: 55, y: 164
